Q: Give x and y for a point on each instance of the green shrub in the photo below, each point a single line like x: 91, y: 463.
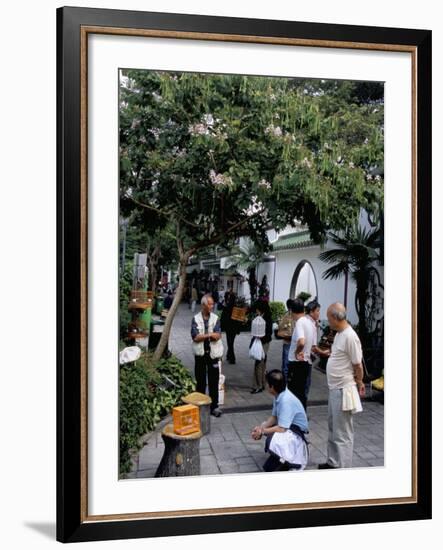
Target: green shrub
x: 125, y: 286
x: 147, y: 393
x: 304, y: 296
x: 278, y: 309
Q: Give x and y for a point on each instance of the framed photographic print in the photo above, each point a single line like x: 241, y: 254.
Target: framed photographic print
x: 223, y: 183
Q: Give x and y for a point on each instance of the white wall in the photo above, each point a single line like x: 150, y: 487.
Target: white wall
x: 306, y: 281
x: 329, y: 291
x: 27, y: 221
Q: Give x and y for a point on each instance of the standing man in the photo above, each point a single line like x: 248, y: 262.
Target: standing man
x: 345, y: 381
x: 313, y: 315
x: 287, y: 414
x: 230, y: 326
x: 285, y: 329
x: 299, y: 356
x: 194, y: 298
x: 208, y: 350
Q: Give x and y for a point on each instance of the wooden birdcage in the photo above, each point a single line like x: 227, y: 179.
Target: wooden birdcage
x: 238, y: 314
x: 186, y: 419
x: 141, y: 299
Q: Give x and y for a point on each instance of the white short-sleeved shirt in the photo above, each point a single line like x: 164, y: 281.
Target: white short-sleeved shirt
x: 345, y: 352
x: 304, y: 328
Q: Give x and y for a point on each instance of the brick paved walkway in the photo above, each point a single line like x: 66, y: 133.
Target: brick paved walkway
x: 229, y: 448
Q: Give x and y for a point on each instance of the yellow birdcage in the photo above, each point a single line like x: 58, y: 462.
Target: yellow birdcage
x: 186, y: 419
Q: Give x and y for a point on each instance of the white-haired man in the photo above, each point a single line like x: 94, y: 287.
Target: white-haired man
x: 345, y: 381
x: 208, y: 349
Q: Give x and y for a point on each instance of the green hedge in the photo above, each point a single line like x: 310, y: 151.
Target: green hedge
x: 147, y: 393
x: 278, y: 309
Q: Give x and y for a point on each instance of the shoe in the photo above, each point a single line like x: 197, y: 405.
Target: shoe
x: 216, y: 412
x: 231, y: 361
x: 257, y: 390
x: 326, y: 466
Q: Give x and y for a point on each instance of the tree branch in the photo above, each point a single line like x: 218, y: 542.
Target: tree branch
x: 165, y: 213
x: 217, y: 239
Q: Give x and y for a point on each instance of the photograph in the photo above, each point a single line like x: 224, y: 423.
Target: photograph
x: 251, y: 274
x: 236, y: 198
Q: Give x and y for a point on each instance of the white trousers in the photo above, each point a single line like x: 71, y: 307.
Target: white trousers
x: 341, y: 432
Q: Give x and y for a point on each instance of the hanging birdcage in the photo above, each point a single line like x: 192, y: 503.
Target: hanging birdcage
x: 258, y: 327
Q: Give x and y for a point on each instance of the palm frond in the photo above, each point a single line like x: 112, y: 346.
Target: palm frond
x: 336, y: 271
x: 330, y: 256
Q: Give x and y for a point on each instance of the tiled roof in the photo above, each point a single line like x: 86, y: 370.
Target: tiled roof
x: 300, y: 239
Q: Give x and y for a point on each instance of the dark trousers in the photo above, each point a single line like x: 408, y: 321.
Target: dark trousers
x: 298, y: 372
x: 207, y: 369
x: 230, y: 337
x: 273, y: 464
x: 284, y: 360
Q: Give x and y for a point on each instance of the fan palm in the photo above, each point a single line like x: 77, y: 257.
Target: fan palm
x: 247, y: 259
x: 355, y: 256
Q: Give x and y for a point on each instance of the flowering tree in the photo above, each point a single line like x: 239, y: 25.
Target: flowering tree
x: 215, y: 157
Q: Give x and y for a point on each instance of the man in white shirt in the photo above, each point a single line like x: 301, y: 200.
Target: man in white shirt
x: 345, y: 377
x: 303, y: 345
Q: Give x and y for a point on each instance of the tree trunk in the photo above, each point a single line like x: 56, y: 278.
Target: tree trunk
x: 153, y: 275
x: 181, y: 456
x: 163, y: 342
x: 361, y: 299
x: 346, y: 290
x: 252, y: 280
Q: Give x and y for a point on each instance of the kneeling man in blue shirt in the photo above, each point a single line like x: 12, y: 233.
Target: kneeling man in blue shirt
x: 288, y: 413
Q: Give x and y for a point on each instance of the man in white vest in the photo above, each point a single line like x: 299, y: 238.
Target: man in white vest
x: 208, y: 350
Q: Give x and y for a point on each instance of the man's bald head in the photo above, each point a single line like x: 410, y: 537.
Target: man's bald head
x: 336, y: 314
x: 338, y: 311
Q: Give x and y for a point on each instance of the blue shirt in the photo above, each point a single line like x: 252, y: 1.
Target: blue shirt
x: 289, y: 410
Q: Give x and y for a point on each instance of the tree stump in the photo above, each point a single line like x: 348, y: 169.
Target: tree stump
x: 203, y: 402
x: 181, y: 456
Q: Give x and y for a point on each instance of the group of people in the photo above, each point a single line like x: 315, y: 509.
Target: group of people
x: 289, y: 385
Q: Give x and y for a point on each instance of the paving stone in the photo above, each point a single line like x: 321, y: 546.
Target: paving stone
x: 204, y: 443
x: 249, y: 468
x: 231, y: 435
x: 376, y: 462
x: 228, y: 467
x: 208, y: 465
x: 244, y: 460
x: 230, y: 450
x: 359, y: 462
x: 374, y: 448
x: 213, y: 439
x: 146, y: 473
x: 365, y: 455
x: 206, y: 452
x: 150, y: 461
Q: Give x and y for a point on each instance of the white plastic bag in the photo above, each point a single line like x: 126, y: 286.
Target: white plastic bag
x: 221, y: 390
x: 256, y: 351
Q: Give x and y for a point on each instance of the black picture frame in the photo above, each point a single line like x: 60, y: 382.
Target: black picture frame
x: 73, y: 524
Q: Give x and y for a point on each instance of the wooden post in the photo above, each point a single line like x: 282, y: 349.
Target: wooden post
x: 181, y: 456
x: 203, y: 402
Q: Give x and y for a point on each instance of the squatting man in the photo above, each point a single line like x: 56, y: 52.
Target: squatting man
x: 288, y: 415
